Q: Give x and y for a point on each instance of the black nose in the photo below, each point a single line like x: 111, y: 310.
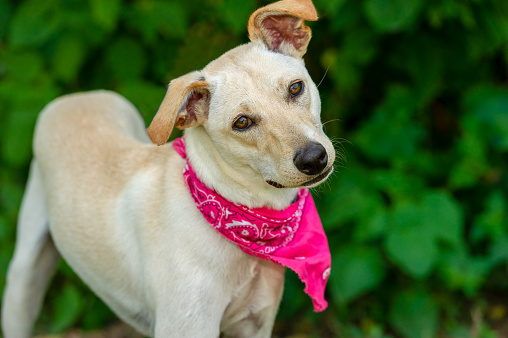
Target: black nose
x: 311, y: 159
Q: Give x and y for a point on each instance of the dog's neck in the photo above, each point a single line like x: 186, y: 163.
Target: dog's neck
x: 246, y: 188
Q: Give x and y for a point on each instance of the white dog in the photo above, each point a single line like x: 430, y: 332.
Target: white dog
x: 119, y: 210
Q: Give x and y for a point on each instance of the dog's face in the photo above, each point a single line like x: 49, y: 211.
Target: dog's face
x: 264, y: 113
x: 258, y: 103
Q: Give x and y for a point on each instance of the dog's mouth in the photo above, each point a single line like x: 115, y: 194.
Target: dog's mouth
x: 319, y: 178
x: 275, y: 184
x: 306, y: 184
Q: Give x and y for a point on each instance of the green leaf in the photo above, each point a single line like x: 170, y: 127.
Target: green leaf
x: 460, y: 270
x: 332, y: 7
x: 6, y: 230
x: 236, y: 13
x: 347, y: 15
x: 11, y: 193
x: 492, y: 223
x: 467, y: 172
x: 392, y: 15
x: 126, y: 59
x: 24, y: 107
x: 346, y: 64
x: 192, y: 54
x: 371, y: 228
x: 448, y: 10
x: 293, y: 297
x: 155, y: 16
x: 105, y: 13
x: 17, y: 138
x: 354, y: 199
x: 489, y: 107
x: 423, y: 60
x: 355, y: 270
x: 24, y: 65
x: 472, y: 147
x: 499, y: 250
x: 414, y: 314
x: 5, y: 14
x: 96, y: 315
x: 344, y: 72
x: 390, y: 134
x: 359, y: 46
x: 145, y: 96
x: 37, y: 93
x: 68, y: 307
x: 79, y: 23
x: 68, y: 57
x: 418, y: 228
x: 399, y: 185
x: 410, y: 246
x: 6, y: 252
x: 34, y: 22
x: 443, y: 217
x: 496, y: 23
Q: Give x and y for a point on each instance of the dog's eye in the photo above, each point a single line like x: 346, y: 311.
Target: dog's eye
x: 296, y: 88
x: 242, y: 123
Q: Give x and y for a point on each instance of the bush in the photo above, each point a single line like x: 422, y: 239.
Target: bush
x: 418, y: 217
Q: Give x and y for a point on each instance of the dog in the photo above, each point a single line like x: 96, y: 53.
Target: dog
x: 109, y: 197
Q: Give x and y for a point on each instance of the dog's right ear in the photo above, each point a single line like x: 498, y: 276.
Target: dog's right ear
x: 185, y: 105
x: 280, y: 27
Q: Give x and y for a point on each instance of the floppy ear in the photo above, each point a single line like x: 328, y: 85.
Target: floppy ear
x: 281, y: 28
x: 185, y: 105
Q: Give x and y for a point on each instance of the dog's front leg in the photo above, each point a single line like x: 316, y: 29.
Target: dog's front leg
x: 197, y: 315
x: 255, y: 325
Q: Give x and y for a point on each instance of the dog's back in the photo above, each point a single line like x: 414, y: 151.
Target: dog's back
x: 87, y: 148
x: 93, y: 123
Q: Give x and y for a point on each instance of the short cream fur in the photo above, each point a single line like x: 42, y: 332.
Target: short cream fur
x: 115, y: 207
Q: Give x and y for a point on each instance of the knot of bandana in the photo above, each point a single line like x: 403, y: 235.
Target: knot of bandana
x: 293, y: 237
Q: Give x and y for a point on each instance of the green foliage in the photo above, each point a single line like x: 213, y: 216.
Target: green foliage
x: 357, y: 269
x: 413, y: 239
x: 417, y: 218
x: 414, y: 314
x: 392, y: 15
x: 68, y: 306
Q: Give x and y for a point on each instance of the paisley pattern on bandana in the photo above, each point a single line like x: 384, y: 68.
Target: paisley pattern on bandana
x: 293, y: 237
x: 242, y: 225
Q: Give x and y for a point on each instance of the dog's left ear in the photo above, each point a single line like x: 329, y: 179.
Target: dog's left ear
x: 185, y: 105
x: 281, y: 28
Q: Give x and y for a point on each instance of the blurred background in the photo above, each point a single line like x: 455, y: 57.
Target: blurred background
x: 415, y: 93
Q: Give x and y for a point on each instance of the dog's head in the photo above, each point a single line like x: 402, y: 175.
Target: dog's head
x: 257, y: 102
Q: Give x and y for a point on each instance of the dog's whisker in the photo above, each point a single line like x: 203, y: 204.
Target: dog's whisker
x: 316, y: 191
x: 340, y: 149
x: 332, y: 120
x: 326, y: 72
x: 339, y: 140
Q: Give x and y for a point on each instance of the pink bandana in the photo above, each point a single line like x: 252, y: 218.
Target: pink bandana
x: 293, y: 237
